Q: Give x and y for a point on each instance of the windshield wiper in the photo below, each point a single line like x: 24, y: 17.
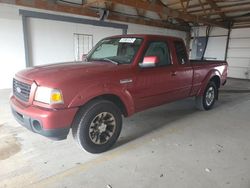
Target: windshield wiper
x: 111, y: 61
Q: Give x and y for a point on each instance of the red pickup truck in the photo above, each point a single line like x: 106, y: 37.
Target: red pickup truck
x: 120, y: 76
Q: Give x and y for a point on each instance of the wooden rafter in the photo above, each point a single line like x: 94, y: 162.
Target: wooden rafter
x: 91, y: 3
x: 167, y: 11
x: 142, y: 21
x: 202, y: 6
x: 141, y: 12
x: 182, y: 5
x: 109, y: 6
x: 187, y: 5
x: 176, y: 2
x: 194, y: 6
x: 84, y: 11
x: 214, y: 6
x: 242, y: 19
x: 163, y: 17
x: 230, y: 10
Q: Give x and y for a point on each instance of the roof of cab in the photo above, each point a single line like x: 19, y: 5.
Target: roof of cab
x: 146, y: 36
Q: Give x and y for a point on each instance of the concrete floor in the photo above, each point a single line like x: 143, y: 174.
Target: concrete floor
x: 174, y: 145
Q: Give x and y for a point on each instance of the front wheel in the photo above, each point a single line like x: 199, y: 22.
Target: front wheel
x: 97, y: 126
x: 207, y: 100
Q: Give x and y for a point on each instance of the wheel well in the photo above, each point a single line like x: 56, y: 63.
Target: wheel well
x: 116, y: 100
x: 216, y: 80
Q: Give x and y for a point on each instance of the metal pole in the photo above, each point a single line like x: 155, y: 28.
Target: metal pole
x: 228, y: 38
x: 26, y: 41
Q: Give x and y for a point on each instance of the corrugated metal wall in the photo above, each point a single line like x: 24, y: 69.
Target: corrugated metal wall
x: 239, y: 53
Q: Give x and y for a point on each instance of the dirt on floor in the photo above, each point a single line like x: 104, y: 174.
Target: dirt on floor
x: 9, y: 145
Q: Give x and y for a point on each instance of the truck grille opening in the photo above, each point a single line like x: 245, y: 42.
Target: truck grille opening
x: 21, y: 90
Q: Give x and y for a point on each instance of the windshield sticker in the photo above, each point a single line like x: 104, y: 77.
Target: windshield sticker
x: 127, y: 40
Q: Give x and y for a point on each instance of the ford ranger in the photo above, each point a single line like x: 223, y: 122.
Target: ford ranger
x: 120, y: 76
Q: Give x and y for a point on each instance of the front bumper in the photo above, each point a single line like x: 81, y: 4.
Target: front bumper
x: 51, y: 123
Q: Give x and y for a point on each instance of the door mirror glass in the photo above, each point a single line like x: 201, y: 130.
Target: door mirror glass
x: 149, y: 61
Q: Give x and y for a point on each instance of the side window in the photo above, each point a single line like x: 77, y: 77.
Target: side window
x: 181, y: 53
x: 159, y: 49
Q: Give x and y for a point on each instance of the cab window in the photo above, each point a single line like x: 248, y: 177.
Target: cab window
x: 181, y: 53
x: 159, y: 49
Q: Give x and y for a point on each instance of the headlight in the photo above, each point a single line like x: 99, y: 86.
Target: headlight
x: 48, y: 95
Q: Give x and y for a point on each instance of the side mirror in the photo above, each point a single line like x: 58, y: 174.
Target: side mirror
x: 149, y: 61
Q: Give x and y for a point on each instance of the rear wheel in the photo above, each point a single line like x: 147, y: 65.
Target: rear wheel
x: 97, y: 126
x: 207, y: 100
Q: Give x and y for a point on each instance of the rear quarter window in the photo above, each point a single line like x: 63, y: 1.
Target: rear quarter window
x: 180, y: 50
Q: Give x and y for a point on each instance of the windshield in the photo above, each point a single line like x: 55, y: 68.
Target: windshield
x: 115, y: 50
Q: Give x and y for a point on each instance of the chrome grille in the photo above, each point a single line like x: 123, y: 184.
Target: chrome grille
x: 21, y: 90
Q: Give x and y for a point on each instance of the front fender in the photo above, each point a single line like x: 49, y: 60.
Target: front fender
x: 97, y: 90
x: 209, y: 76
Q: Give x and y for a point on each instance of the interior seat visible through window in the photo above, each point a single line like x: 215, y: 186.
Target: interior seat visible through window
x: 160, y: 50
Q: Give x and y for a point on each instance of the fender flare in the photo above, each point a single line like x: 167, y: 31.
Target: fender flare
x: 209, y: 76
x: 97, y: 90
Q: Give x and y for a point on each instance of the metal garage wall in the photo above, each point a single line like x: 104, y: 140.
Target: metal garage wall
x: 239, y: 53
x: 11, y: 45
x: 53, y: 41
x: 217, y: 41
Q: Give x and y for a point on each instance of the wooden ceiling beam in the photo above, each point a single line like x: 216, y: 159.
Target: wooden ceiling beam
x: 109, y: 6
x: 229, y: 10
x: 239, y: 20
x: 154, y: 23
x: 235, y: 18
x: 214, y: 6
x: 241, y: 26
x: 158, y: 2
x: 193, y: 6
x: 187, y: 5
x: 182, y: 5
x: 221, y: 6
x: 91, y: 3
x: 141, y: 12
x: 79, y: 10
x: 203, y: 8
x: 167, y: 11
x: 176, y: 3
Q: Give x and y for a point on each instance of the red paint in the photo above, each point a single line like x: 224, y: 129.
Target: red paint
x: 81, y: 82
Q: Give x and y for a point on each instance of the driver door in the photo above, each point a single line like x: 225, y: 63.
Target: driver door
x: 155, y: 84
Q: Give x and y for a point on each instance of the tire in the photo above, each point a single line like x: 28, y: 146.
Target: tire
x: 97, y: 126
x: 207, y: 100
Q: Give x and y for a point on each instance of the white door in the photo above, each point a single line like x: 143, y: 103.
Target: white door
x: 238, y: 56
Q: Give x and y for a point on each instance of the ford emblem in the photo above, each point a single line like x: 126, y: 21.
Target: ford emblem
x: 18, y: 89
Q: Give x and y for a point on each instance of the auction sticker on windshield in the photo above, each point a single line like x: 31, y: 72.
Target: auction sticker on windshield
x: 127, y: 40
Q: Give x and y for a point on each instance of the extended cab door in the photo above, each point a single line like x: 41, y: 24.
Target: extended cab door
x: 154, y: 85
x: 183, y: 74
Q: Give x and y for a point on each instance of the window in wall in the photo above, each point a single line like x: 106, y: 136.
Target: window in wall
x: 181, y: 52
x: 83, y: 44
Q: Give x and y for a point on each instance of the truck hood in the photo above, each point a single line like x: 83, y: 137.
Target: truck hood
x: 64, y: 72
